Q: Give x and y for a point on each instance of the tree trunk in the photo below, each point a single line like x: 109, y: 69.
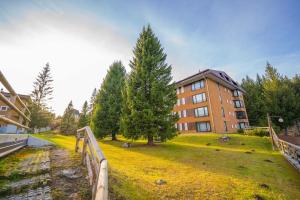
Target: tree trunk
x: 150, y: 140
x: 113, y: 136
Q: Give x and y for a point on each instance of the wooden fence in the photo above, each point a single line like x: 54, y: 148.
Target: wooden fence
x: 290, y: 151
x: 94, y: 160
x: 11, y: 103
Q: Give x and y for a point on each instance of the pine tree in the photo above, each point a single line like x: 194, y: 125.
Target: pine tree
x: 92, y: 100
x: 150, y: 95
x: 83, y: 118
x: 107, y: 113
x: 42, y: 92
x: 42, y: 87
x: 254, y: 101
x: 68, y: 124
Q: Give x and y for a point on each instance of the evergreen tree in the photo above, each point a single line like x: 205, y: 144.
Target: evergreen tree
x: 254, y: 101
x: 280, y: 97
x: 68, y: 124
x: 83, y: 118
x: 150, y: 95
x: 42, y: 88
x: 42, y: 92
x: 107, y: 113
x: 92, y: 100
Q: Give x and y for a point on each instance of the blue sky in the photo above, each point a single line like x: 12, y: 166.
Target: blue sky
x: 235, y: 36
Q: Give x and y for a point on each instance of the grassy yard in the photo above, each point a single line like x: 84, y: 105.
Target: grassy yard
x: 197, y: 167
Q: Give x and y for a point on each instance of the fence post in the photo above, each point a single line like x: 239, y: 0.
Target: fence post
x: 102, y: 185
x: 84, y: 149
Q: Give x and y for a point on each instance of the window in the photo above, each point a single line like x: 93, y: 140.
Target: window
x: 199, y: 98
x: 203, y: 126
x: 201, y: 112
x: 242, y: 125
x: 183, y: 101
x: 178, y: 102
x: 182, y: 89
x: 236, y: 93
x: 240, y: 115
x: 238, y: 104
x: 180, y: 126
x: 179, y: 114
x: 3, y: 108
x: 223, y: 112
x: 184, y: 113
x: 185, y: 126
x: 198, y: 85
x: 178, y: 91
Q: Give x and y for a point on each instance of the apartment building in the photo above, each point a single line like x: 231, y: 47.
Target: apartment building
x: 9, y: 113
x: 210, y: 101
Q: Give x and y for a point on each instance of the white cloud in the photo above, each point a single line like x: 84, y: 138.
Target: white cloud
x: 78, y: 48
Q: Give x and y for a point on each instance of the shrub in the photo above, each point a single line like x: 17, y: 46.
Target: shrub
x: 257, y: 132
x: 240, y: 131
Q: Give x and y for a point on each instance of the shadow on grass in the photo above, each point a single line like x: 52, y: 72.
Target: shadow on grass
x: 240, y: 164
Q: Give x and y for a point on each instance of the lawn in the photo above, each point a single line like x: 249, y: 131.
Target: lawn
x: 197, y: 167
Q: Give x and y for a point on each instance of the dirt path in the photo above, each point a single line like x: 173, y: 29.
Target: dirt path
x: 68, y: 176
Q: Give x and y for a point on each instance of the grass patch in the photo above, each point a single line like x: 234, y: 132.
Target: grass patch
x: 193, y: 169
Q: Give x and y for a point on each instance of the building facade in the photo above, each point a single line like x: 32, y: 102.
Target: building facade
x: 210, y: 101
x: 9, y: 113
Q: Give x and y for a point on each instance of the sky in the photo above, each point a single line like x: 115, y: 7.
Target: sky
x: 80, y: 39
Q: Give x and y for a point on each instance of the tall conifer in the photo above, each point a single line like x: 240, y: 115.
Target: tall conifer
x: 150, y: 93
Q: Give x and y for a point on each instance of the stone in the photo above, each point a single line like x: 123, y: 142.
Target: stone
x: 269, y: 161
x: 160, y: 182
x: 265, y: 186
x: 41, y: 193
x: 74, y: 196
x: 258, y: 197
x: 126, y: 145
x: 71, y: 173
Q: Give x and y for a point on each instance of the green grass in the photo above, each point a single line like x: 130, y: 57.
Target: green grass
x: 196, y: 167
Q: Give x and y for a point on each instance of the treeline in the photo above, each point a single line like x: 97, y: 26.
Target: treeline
x: 275, y: 94
x: 138, y: 104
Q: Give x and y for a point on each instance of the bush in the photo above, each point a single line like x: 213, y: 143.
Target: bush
x: 240, y: 131
x: 257, y: 132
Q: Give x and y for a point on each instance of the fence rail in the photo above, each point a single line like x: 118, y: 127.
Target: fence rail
x: 94, y: 160
x: 12, y: 142
x: 290, y: 151
x: 11, y: 104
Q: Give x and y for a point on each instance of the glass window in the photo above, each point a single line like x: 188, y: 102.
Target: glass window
x: 185, y: 126
x: 199, y: 98
x: 180, y: 126
x: 236, y: 93
x: 184, y: 113
x: 203, y: 126
x: 198, y: 85
x: 238, y: 104
x: 242, y: 125
x: 201, y: 112
x: 240, y: 115
x: 183, y: 101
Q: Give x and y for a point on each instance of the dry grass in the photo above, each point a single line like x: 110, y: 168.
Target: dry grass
x: 197, y: 167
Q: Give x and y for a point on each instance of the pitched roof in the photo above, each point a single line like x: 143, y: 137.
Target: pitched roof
x: 23, y: 96
x: 216, y: 75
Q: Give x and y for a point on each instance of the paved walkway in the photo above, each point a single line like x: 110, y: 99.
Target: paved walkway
x: 290, y: 139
